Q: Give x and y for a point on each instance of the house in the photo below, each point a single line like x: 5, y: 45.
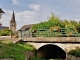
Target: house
x: 25, y: 31
x: 3, y: 27
x: 1, y: 13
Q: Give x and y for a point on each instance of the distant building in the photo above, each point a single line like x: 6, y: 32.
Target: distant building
x: 1, y: 13
x: 24, y: 31
x: 13, y: 23
x: 3, y: 27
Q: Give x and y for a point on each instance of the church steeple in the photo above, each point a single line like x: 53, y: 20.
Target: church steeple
x: 13, y: 17
x: 13, y: 23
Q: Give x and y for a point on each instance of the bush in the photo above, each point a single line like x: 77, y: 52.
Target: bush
x: 5, y: 32
x: 15, y: 51
x: 35, y: 58
x: 55, y: 29
x: 78, y: 28
x: 75, y: 52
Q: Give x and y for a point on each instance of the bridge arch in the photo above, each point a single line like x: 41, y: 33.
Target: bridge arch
x: 58, y: 44
x: 50, y: 51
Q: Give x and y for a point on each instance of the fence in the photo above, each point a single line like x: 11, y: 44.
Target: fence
x: 55, y: 33
x: 48, y: 33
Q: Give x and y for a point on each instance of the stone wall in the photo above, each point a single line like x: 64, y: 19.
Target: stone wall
x: 7, y: 59
x: 65, y: 46
x: 30, y: 54
x: 52, y: 39
x: 5, y: 36
x: 70, y: 57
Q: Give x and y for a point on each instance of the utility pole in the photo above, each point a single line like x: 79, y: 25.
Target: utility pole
x: 11, y: 33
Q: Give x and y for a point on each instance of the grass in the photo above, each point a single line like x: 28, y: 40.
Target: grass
x: 15, y: 51
x: 6, y: 41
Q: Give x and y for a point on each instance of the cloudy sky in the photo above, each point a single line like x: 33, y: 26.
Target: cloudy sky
x: 35, y: 11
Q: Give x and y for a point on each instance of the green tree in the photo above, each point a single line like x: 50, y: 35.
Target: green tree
x: 5, y: 32
x: 74, y: 23
x: 53, y: 20
x: 78, y: 28
x: 66, y: 22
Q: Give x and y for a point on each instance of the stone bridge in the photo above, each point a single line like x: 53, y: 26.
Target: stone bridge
x: 64, y: 46
x: 54, y: 50
x: 53, y: 47
x: 52, y: 39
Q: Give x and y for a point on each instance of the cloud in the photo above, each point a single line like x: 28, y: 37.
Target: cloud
x: 14, y: 1
x: 35, y: 7
x: 26, y: 16
x: 76, y: 3
x: 5, y: 19
x: 22, y: 18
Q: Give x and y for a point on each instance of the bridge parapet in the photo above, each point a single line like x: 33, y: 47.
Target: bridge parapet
x: 53, y: 39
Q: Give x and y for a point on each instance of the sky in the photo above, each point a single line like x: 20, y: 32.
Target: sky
x: 35, y: 11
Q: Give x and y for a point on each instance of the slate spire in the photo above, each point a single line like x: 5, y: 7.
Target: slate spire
x: 13, y: 23
x: 13, y: 17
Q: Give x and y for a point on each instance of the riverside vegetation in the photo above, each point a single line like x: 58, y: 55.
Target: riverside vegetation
x: 53, y: 26
x: 75, y: 52
x: 54, y: 23
x: 15, y: 51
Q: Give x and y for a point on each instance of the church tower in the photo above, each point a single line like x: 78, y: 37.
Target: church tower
x: 13, y: 23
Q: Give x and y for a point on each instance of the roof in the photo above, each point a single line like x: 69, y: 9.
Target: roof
x: 13, y: 17
x: 4, y: 27
x: 1, y: 11
x: 26, y: 27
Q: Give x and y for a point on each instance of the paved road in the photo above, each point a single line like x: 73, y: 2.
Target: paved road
x: 11, y: 39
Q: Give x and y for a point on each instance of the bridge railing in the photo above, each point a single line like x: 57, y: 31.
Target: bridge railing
x: 47, y: 33
x: 53, y: 35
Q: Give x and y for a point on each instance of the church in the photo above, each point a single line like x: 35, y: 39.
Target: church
x: 12, y: 23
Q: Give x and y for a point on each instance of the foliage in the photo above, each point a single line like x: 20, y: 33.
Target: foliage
x: 70, y: 29
x: 15, y: 51
x: 55, y: 28
x: 55, y: 23
x: 78, y: 28
x: 46, y: 33
x: 35, y: 58
x: 75, y: 52
x: 5, y: 32
x: 74, y: 23
x: 54, y: 20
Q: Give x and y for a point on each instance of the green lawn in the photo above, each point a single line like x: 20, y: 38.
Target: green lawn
x: 15, y: 51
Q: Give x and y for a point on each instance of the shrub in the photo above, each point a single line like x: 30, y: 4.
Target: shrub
x: 5, y: 32
x: 55, y: 29
x: 75, y: 52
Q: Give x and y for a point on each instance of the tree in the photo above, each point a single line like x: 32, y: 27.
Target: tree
x: 53, y: 20
x: 74, y: 23
x: 78, y: 28
x: 5, y: 32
